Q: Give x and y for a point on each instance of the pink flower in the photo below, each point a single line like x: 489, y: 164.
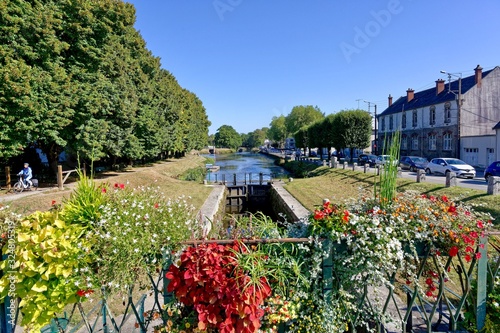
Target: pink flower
x: 103, y: 190
x: 480, y: 224
x: 478, y: 255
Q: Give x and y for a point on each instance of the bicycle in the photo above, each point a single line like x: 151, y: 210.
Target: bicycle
x: 20, y: 185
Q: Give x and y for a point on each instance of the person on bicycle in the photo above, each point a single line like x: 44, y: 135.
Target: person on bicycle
x: 27, y: 174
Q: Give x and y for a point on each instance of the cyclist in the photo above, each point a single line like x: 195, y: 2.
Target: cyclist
x: 27, y: 174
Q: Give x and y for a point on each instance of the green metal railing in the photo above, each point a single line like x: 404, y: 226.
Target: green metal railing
x: 446, y: 308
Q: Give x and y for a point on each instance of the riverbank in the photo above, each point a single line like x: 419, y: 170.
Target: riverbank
x: 162, y: 174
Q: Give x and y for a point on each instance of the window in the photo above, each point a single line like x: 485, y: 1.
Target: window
x: 391, y: 123
x: 432, y: 141
x: 404, y: 142
x: 447, y: 112
x: 414, y: 119
x: 414, y: 142
x: 432, y: 115
x: 383, y: 124
x: 447, y: 141
x: 403, y: 121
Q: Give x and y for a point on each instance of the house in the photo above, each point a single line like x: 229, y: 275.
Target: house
x: 453, y: 119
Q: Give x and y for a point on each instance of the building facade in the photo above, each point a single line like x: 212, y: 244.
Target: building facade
x: 454, y: 119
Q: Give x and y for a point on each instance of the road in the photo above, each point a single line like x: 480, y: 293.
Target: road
x: 477, y: 183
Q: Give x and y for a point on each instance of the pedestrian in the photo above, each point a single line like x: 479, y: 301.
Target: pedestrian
x: 27, y: 174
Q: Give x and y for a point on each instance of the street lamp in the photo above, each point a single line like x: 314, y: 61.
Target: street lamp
x: 375, y: 123
x: 459, y: 104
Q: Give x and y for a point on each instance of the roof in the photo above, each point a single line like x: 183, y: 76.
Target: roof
x: 497, y: 126
x: 428, y: 97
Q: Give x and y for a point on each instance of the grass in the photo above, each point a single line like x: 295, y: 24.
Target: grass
x: 163, y: 174
x: 338, y: 185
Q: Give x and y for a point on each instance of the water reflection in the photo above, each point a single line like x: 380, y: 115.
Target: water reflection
x: 247, y: 166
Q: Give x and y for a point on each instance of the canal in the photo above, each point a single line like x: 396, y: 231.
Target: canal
x: 247, y: 176
x: 246, y: 166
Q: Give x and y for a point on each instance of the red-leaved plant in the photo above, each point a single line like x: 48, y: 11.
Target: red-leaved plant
x: 209, y: 280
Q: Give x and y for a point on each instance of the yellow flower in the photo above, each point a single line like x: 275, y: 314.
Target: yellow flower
x: 188, y: 325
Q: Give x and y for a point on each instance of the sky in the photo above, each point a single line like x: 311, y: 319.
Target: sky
x: 251, y: 60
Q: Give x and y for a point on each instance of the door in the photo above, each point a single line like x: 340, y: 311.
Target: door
x: 490, y: 156
x: 471, y: 156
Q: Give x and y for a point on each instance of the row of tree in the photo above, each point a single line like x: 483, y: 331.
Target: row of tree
x: 76, y: 76
x: 310, y: 128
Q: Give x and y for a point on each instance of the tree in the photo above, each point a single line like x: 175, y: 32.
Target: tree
x: 227, y: 137
x: 352, y: 129
x: 301, y: 116
x: 255, y: 138
x: 278, y: 131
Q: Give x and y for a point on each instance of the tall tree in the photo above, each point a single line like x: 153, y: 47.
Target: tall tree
x: 301, y: 116
x: 353, y: 129
x: 278, y: 131
x: 227, y: 137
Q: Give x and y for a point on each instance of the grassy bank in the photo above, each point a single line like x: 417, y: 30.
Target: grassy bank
x: 339, y: 185
x: 163, y: 174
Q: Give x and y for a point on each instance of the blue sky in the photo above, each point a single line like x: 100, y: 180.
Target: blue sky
x: 250, y: 60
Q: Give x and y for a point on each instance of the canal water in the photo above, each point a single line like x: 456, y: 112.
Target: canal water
x: 246, y: 167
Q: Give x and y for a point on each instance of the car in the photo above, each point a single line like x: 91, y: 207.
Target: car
x: 447, y: 165
x: 367, y: 159
x: 413, y: 163
x: 492, y: 170
x: 384, y: 159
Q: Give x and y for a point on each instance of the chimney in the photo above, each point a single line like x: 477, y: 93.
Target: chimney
x: 439, y: 86
x: 390, y: 99
x: 479, y: 75
x: 410, y: 93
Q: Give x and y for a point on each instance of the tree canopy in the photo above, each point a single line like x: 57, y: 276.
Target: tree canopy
x: 227, y: 137
x: 76, y: 76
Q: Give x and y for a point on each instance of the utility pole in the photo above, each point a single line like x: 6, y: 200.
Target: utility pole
x: 459, y: 107
x: 375, y: 144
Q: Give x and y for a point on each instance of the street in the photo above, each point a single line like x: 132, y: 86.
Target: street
x: 478, y: 183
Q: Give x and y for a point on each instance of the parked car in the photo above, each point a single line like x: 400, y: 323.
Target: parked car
x: 413, y: 163
x: 446, y: 165
x: 492, y: 170
x: 367, y: 159
x: 384, y: 159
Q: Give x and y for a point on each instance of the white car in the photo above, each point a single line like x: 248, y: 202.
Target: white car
x: 384, y: 159
x: 446, y: 165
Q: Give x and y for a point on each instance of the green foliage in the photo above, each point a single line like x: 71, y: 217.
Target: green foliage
x: 76, y: 75
x: 196, y: 174
x: 48, y: 254
x: 300, y: 169
x: 227, y: 137
x: 302, y: 115
x: 278, y: 131
x: 388, y: 176
x: 352, y: 129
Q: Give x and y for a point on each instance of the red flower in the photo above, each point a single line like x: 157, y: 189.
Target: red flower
x: 103, y: 190
x: 318, y: 214
x: 453, y: 251
x: 452, y: 209
x: 120, y: 186
x: 429, y: 293
x: 444, y: 198
x: 468, y: 257
x: 53, y: 203
x: 408, y: 281
x: 156, y: 205
x: 480, y: 224
x: 428, y: 281
x: 478, y: 255
x: 346, y: 216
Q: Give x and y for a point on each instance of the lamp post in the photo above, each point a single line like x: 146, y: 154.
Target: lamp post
x: 375, y: 146
x: 459, y: 105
